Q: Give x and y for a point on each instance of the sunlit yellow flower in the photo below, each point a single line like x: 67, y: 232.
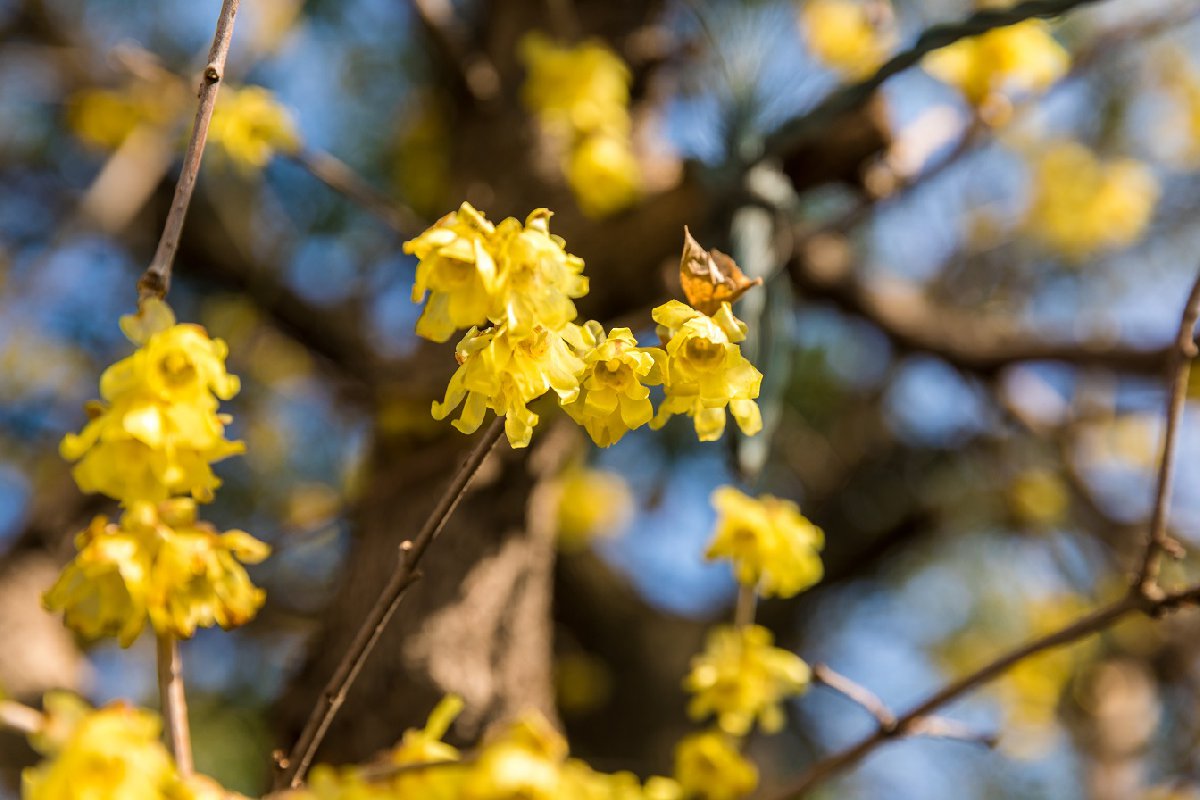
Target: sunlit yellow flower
x: 249, y: 125
x: 537, y: 276
x: 458, y: 271
x: 591, y: 503
x: 603, y: 174
x: 581, y: 88
x: 1083, y: 205
x: 1003, y: 61
x: 113, y: 752
x: 524, y: 761
x: 846, y: 35
x: 706, y: 370
x: 741, y: 677
x: 709, y: 766
x: 157, y: 429
x: 772, y: 545
x: 613, y: 397
x: 504, y: 373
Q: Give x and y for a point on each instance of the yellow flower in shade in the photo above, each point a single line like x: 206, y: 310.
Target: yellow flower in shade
x: 1082, y: 205
x: 504, y: 373
x: 741, y: 677
x: 709, y: 766
x: 249, y: 125
x: 113, y: 752
x: 591, y: 503
x: 103, y: 591
x: 537, y: 276
x: 157, y: 429
x: 1004, y: 61
x: 524, y: 761
x: 603, y: 174
x: 580, y: 88
x: 845, y: 35
x: 706, y: 370
x: 772, y: 545
x: 105, y: 117
x: 613, y: 397
x: 457, y: 270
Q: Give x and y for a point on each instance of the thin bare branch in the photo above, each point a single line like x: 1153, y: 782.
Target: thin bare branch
x: 174, y: 702
x: 156, y: 280
x: 747, y: 604
x: 293, y: 768
x: 339, y: 177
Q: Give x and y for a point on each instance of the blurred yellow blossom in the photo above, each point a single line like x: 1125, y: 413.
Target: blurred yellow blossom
x: 1004, y: 61
x: 613, y: 397
x: 249, y: 126
x: 523, y: 760
x: 581, y: 88
x: 1083, y: 205
x: 773, y: 547
x: 709, y: 766
x: 603, y: 173
x: 847, y: 35
x: 706, y: 370
x: 591, y: 503
x: 105, y: 117
x: 741, y: 677
x: 1038, y: 497
x: 157, y: 429
x: 504, y: 373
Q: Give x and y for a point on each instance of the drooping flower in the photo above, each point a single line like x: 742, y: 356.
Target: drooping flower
x: 709, y: 766
x: 771, y: 544
x: 249, y: 125
x: 613, y: 397
x: 741, y: 677
x: 537, y: 279
x: 846, y: 35
x: 706, y: 371
x: 504, y: 373
x: 1017, y: 58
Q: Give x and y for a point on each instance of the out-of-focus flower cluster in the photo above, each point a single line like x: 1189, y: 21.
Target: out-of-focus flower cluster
x: 772, y: 546
x: 250, y: 126
x: 850, y: 36
x: 150, y: 444
x: 519, y: 281
x: 580, y: 95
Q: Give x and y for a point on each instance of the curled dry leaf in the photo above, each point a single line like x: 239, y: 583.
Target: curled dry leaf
x: 709, y: 277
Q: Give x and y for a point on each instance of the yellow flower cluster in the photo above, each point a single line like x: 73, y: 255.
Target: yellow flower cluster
x: 1004, y: 61
x: 772, y: 546
x: 518, y: 279
x: 709, y: 766
x: 846, y: 35
x: 590, y: 503
x: 741, y: 677
x: 1083, y: 205
x: 150, y: 445
x: 250, y: 126
x: 580, y: 94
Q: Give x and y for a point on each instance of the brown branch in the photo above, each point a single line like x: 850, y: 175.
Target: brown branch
x: 339, y: 177
x: 174, y: 702
x: 1184, y: 351
x: 157, y: 278
x: 293, y: 767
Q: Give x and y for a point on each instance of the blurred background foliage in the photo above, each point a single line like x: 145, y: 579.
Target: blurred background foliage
x: 970, y: 282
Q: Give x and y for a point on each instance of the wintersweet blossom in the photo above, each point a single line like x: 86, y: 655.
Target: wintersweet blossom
x: 709, y: 766
x: 524, y: 760
x: 602, y: 171
x: 537, y: 278
x: 706, y: 371
x: 613, y: 397
x: 741, y: 677
x: 1017, y: 58
x: 845, y: 35
x: 250, y: 125
x: 771, y: 544
x: 583, y: 87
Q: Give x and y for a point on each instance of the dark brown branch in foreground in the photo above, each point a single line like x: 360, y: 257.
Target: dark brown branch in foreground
x: 293, y: 768
x: 938, y: 36
x: 339, y: 177
x: 157, y: 278
x: 1182, y: 355
x: 174, y: 702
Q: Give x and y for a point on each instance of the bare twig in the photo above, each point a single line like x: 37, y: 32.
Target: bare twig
x: 174, y: 702
x: 747, y: 603
x: 338, y: 176
x: 293, y: 768
x: 157, y: 278
x: 1146, y: 581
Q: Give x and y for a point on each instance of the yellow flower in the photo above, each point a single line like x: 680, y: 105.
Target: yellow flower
x: 157, y: 431
x: 581, y: 88
x: 706, y: 370
x: 591, y: 503
x: 709, y: 766
x: 456, y: 268
x: 1082, y: 205
x: 1013, y: 59
x: 504, y: 373
x: 1038, y: 497
x: 741, y: 677
x: 250, y: 126
x: 113, y: 752
x: 772, y: 545
x: 603, y: 174
x: 844, y: 35
x: 613, y: 397
x: 105, y: 117
x: 537, y: 276
x: 524, y: 761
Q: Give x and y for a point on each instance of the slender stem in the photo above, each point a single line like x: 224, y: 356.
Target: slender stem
x: 747, y: 604
x: 174, y: 702
x: 338, y: 176
x: 156, y: 280
x: 293, y: 768
x: 1185, y: 350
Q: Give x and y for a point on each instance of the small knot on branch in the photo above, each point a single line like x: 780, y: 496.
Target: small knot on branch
x: 212, y: 74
